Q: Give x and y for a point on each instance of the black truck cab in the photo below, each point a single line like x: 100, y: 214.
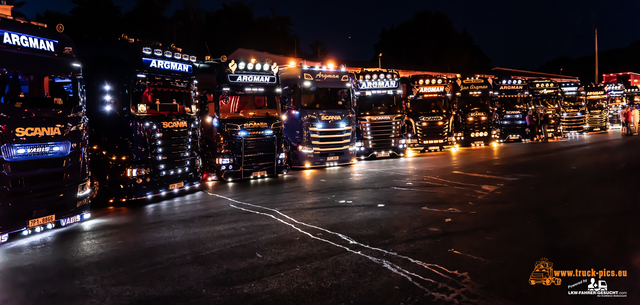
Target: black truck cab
x: 44, y: 165
x: 434, y: 122
x: 241, y: 119
x: 545, y: 97
x: 380, y: 113
x: 599, y: 117
x: 574, y: 110
x: 514, y: 103
x: 145, y: 132
x: 475, y: 100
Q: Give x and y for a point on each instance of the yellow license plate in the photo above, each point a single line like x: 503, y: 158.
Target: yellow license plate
x: 176, y: 185
x: 258, y: 174
x: 334, y: 158
x: 41, y: 221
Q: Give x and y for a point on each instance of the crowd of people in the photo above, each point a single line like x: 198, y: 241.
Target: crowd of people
x: 629, y: 117
x: 537, y: 123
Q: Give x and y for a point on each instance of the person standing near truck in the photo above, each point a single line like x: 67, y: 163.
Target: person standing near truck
x: 622, y: 119
x: 628, y: 119
x: 636, y: 117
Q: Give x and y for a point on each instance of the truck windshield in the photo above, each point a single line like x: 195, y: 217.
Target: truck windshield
x: 325, y: 98
x: 546, y: 102
x: 596, y: 104
x: 162, y: 98
x: 430, y: 105
x: 513, y: 102
x: 379, y: 104
x: 38, y: 91
x: 249, y: 106
x: 475, y: 102
x: 572, y: 102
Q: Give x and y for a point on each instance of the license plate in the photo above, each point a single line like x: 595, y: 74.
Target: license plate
x: 40, y: 221
x: 69, y: 220
x: 414, y: 140
x: 434, y: 147
x: 383, y: 154
x: 334, y: 158
x: 176, y: 185
x: 258, y: 174
x: 596, y: 129
x: 513, y: 137
x: 479, y: 142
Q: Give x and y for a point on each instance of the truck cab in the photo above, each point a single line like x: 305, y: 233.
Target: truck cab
x: 318, y: 115
x: 242, y: 132
x: 545, y: 97
x: 597, y: 102
x: 573, y: 108
x: 514, y: 102
x: 380, y: 113
x: 44, y: 165
x: 434, y: 122
x: 617, y: 98
x: 145, y: 131
x: 475, y: 101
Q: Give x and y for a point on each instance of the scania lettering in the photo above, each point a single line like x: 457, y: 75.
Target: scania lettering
x: 475, y: 101
x: 574, y: 109
x: 513, y: 102
x: 546, y: 97
x: 146, y: 133
x: 433, y: 122
x: 44, y: 174
x: 241, y: 119
x: 597, y: 102
x: 318, y: 116
x: 380, y: 114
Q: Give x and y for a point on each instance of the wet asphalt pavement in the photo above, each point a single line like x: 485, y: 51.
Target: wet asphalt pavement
x: 450, y: 227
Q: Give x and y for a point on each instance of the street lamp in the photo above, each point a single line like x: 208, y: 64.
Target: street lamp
x: 380, y: 61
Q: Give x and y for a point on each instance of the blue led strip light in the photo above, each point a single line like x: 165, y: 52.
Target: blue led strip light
x: 19, y: 152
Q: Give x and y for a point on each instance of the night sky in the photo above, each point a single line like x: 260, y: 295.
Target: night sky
x: 515, y: 34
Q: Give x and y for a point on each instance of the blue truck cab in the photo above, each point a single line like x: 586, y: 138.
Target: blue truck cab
x: 319, y: 120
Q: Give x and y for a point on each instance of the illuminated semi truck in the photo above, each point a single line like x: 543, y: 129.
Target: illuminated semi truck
x: 145, y: 131
x: 318, y: 115
x: 380, y: 113
x: 475, y: 100
x: 242, y: 136
x: 616, y: 98
x: 514, y: 100
x: 597, y: 102
x: 574, y: 110
x: 430, y: 111
x: 44, y: 164
x: 545, y: 97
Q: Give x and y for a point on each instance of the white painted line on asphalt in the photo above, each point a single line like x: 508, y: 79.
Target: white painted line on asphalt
x: 450, y: 181
x: 449, y: 210
x: 486, y: 176
x: 410, y: 189
x: 437, y: 269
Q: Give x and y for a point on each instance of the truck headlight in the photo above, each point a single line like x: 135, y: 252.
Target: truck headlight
x: 142, y: 108
x: 305, y: 149
x: 358, y: 144
x: 224, y: 160
x: 281, y: 156
x: 84, y: 188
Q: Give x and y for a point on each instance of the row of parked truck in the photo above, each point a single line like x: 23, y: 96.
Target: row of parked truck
x: 135, y: 119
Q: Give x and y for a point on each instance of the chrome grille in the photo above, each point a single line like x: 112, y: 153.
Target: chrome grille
x: 260, y: 151
x: 432, y: 130
x: 573, y: 122
x: 172, y: 153
x: 381, y: 134
x: 597, y: 119
x: 330, y: 138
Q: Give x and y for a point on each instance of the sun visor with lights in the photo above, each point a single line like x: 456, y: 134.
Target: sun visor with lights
x: 253, y: 66
x: 380, y: 79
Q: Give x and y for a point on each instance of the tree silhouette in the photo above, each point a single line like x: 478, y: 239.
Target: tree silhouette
x: 429, y: 41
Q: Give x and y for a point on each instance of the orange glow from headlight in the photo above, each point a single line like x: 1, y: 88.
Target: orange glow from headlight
x: 470, y: 119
